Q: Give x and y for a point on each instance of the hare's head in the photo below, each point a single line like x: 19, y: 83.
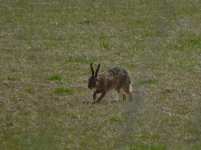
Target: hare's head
x: 93, y: 78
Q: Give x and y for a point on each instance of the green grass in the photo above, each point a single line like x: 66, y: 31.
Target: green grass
x: 55, y: 77
x: 62, y: 90
x: 29, y: 90
x: 147, y: 147
x: 46, y: 48
x: 114, y: 119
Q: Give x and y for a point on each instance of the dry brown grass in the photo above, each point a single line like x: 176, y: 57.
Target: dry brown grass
x: 46, y: 48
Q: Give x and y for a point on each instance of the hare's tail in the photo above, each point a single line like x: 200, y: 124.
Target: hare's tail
x: 130, y: 88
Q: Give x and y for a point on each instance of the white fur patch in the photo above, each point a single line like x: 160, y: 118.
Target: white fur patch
x: 130, y: 88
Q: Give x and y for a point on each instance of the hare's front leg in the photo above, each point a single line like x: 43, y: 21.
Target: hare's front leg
x: 100, y: 98
x: 94, y: 94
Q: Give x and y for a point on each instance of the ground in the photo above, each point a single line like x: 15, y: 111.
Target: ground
x: 46, y: 47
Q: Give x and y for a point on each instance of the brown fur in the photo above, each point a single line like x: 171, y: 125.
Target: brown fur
x: 115, y: 78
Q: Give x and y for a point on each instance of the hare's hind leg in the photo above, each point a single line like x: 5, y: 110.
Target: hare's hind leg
x: 115, y: 95
x: 122, y: 93
x: 128, y: 90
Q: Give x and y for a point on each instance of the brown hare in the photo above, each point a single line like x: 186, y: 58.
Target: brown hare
x: 115, y: 78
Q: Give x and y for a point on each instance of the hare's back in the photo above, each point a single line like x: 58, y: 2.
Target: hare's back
x: 119, y: 73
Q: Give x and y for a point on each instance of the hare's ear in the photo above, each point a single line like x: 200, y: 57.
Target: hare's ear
x: 96, y: 74
x: 92, y: 69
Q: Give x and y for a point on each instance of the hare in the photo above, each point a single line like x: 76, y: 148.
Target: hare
x: 115, y: 78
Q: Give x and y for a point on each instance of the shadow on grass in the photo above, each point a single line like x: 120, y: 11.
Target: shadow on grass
x: 130, y: 110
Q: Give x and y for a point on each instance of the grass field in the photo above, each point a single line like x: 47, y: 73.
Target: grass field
x: 46, y: 47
